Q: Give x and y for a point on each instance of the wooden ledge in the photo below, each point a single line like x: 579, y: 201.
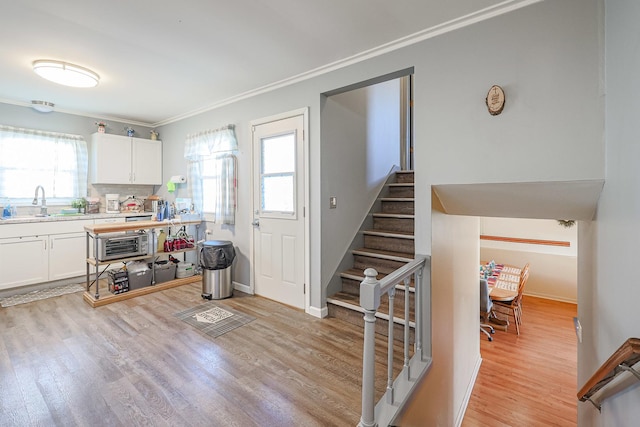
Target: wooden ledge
x: 528, y: 241
x: 628, y: 355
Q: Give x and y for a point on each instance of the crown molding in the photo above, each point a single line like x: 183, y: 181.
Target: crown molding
x: 437, y: 30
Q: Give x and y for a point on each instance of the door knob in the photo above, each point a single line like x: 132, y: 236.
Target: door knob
x: 256, y: 223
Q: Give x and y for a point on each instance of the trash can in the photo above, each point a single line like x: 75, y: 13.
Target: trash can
x: 216, y: 257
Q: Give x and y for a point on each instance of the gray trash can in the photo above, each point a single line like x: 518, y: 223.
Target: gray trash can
x: 216, y: 257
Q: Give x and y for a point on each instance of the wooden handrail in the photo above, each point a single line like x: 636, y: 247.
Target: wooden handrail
x: 622, y: 360
x: 527, y: 241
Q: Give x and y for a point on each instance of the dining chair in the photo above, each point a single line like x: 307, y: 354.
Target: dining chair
x: 514, y: 306
x: 486, y: 305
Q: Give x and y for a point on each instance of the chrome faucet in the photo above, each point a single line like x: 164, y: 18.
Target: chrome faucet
x: 43, y: 207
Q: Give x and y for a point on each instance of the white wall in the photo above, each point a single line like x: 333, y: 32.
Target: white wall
x: 455, y: 315
x: 553, y: 272
x: 609, y: 311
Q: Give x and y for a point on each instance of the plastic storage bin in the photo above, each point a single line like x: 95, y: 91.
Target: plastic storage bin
x: 185, y: 269
x: 164, y: 271
x: 216, y: 258
x: 139, y: 275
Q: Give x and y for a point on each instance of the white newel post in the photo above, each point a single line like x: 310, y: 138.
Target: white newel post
x: 369, y: 301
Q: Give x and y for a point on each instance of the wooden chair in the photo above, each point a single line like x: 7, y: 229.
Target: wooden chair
x: 514, y: 307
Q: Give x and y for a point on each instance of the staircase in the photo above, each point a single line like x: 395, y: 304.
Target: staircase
x: 387, y: 246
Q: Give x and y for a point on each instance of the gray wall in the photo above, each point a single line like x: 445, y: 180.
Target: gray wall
x: 360, y: 146
x: 608, y: 310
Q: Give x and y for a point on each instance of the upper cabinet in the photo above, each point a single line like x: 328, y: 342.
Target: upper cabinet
x: 117, y: 159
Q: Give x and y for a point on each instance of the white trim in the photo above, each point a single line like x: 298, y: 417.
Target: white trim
x: 319, y: 312
x: 551, y: 297
x: 242, y: 288
x: 467, y: 395
x: 428, y: 33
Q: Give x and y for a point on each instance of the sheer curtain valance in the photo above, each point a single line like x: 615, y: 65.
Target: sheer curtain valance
x: 210, y: 158
x: 29, y: 158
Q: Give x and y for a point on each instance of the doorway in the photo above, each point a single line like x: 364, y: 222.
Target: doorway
x: 279, y: 242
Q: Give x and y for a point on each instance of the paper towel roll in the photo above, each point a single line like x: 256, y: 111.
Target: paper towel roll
x: 178, y: 179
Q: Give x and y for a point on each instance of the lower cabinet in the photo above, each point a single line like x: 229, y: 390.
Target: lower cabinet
x: 24, y: 261
x: 67, y: 255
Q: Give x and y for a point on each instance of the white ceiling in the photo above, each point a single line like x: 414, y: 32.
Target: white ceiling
x: 162, y: 60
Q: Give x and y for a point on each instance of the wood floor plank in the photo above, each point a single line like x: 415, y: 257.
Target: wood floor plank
x: 530, y: 379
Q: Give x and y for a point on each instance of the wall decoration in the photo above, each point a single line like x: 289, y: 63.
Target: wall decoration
x: 495, y: 100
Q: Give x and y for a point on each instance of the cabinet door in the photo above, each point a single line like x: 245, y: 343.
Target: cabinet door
x: 23, y: 261
x: 147, y: 162
x: 67, y: 255
x: 110, y: 159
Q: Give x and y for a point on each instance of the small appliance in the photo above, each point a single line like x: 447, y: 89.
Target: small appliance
x: 122, y: 245
x: 112, y: 203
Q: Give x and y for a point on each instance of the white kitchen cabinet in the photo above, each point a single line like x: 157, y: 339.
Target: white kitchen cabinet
x: 67, y: 255
x: 24, y: 261
x: 117, y: 159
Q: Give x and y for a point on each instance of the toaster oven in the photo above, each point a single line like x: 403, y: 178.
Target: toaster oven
x: 122, y: 245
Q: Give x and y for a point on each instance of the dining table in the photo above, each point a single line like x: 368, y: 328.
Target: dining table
x: 503, y: 280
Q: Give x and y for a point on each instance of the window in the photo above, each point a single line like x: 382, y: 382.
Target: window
x: 277, y: 189
x: 209, y: 185
x: 211, y: 173
x: 29, y: 158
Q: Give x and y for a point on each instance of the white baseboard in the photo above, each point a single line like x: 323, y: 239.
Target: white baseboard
x: 550, y: 297
x: 319, y: 312
x: 242, y: 288
x: 467, y: 394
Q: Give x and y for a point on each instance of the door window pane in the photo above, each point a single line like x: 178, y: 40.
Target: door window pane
x: 277, y: 186
x: 278, y: 154
x: 277, y: 193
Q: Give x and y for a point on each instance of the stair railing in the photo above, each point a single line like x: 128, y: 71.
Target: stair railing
x: 623, y: 360
x: 400, y: 388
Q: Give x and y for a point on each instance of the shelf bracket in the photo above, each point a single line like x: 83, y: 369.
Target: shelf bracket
x: 597, y: 405
x: 630, y: 369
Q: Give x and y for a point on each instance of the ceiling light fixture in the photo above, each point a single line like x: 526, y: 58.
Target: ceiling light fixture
x: 42, y: 106
x: 65, y: 74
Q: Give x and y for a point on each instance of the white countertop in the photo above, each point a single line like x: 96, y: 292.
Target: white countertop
x: 70, y: 217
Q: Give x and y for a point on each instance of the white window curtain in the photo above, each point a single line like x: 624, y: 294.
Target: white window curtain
x: 29, y: 158
x: 213, y: 149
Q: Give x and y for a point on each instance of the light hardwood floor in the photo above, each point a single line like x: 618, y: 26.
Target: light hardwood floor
x: 528, y: 380
x: 134, y: 363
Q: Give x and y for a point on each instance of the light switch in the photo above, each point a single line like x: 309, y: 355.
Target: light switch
x: 578, y: 327
x: 333, y: 202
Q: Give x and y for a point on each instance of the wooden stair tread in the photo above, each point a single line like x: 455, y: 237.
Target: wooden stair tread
x: 387, y: 233
x: 390, y: 255
x: 401, y: 184
x: 357, y: 274
x: 393, y: 215
x: 397, y: 199
x: 352, y: 302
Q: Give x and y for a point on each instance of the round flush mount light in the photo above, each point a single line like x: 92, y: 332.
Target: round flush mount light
x: 42, y: 106
x: 65, y: 73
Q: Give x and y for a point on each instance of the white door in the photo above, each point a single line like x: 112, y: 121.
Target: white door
x: 278, y: 202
